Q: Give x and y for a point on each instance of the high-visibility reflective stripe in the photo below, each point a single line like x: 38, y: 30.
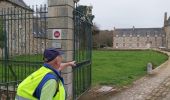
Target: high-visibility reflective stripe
x: 20, y: 98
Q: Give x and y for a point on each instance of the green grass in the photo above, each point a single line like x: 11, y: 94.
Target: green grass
x: 109, y: 67
x: 122, y: 67
x: 20, y: 66
x: 31, y: 58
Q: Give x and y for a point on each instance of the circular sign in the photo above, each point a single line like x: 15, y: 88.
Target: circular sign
x: 57, y: 34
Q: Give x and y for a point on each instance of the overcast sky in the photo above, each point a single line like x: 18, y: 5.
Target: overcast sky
x: 125, y: 13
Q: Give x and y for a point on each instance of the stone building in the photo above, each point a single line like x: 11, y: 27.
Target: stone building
x: 23, y: 27
x: 138, y: 38
x: 142, y: 38
x: 13, y: 3
x: 15, y: 26
x: 167, y: 30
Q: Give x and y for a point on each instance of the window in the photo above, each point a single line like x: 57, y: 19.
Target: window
x: 137, y: 38
x: 117, y: 44
x: 155, y: 39
x: 123, y: 39
x: 123, y: 44
x: 147, y: 38
x: 137, y: 44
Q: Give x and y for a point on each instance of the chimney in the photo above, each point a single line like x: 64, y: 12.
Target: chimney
x: 114, y: 28
x: 133, y: 28
x: 165, y: 19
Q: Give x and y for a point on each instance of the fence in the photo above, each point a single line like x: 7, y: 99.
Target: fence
x: 22, y: 41
x: 23, y: 38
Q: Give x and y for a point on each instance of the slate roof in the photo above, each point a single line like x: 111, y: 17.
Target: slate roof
x: 20, y: 3
x: 139, y: 32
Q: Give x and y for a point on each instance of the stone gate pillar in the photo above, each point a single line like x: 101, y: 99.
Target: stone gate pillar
x: 60, y: 34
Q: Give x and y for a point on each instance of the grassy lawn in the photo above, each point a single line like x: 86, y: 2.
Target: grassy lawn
x: 29, y: 58
x: 20, y: 67
x: 122, y: 67
x: 109, y: 67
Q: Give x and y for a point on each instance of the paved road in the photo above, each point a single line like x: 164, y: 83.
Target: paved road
x: 153, y: 87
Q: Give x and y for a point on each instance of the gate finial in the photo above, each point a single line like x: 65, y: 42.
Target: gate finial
x: 75, y: 1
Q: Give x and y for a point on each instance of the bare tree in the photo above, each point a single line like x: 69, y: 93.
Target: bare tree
x: 95, y: 29
x: 103, y: 39
x: 95, y: 32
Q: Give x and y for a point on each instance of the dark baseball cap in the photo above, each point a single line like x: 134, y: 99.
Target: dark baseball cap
x: 51, y: 53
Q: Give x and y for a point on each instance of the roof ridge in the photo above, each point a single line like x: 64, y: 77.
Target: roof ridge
x: 19, y: 3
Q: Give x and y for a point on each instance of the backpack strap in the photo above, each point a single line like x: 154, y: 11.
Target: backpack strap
x: 47, y: 77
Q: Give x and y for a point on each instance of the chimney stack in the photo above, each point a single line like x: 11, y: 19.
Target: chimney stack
x: 165, y: 19
x: 114, y: 28
x: 133, y: 28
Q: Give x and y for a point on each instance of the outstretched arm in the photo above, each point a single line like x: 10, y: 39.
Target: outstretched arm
x: 64, y: 65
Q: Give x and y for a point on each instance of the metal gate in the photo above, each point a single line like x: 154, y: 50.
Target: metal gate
x: 82, y: 49
x: 22, y: 41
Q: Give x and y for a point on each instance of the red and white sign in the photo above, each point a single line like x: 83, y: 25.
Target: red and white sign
x: 57, y: 34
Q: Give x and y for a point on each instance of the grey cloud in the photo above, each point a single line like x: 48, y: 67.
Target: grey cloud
x: 125, y: 13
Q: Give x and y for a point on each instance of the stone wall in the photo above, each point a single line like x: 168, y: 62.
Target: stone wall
x: 19, y: 30
x: 167, y: 30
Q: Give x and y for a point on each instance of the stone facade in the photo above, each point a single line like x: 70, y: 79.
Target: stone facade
x: 138, y: 38
x: 20, y: 21
x: 142, y: 38
x: 17, y: 33
x: 167, y: 30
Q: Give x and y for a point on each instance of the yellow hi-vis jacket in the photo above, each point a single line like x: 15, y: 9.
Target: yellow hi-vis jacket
x: 32, y: 85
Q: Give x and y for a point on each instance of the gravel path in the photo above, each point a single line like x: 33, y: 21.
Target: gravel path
x: 150, y: 87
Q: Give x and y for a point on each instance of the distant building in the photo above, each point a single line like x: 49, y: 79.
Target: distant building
x: 138, y: 38
x: 167, y: 30
x: 142, y: 38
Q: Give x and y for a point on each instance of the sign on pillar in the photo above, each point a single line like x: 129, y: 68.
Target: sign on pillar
x: 57, y: 33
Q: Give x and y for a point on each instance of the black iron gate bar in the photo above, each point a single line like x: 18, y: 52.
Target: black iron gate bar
x: 24, y: 32
x: 82, y: 52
